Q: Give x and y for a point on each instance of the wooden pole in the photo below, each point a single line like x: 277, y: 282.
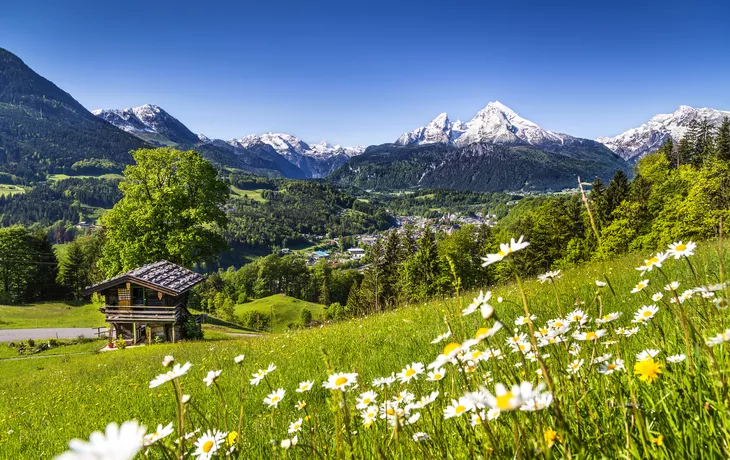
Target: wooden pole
x: 134, y: 333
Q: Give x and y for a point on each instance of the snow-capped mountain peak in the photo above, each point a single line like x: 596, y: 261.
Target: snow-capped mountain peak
x: 637, y: 142
x: 149, y: 122
x: 495, y: 123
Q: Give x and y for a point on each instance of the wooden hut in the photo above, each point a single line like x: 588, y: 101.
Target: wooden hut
x: 147, y: 302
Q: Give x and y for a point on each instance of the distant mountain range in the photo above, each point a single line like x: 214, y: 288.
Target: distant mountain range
x: 153, y: 124
x: 496, y: 123
x: 637, y: 142
x: 43, y: 129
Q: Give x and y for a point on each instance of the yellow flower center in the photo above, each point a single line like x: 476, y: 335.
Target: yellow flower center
x: 611, y: 366
x: 647, y: 314
x: 366, y: 400
x: 481, y: 332
x: 501, y: 253
x: 208, y: 446
x: 591, y: 336
x: 274, y: 399
x: 680, y: 247
x: 341, y: 381
x: 504, y: 402
x: 450, y: 348
x: 410, y: 372
x: 390, y: 411
x: 459, y: 409
x: 437, y: 376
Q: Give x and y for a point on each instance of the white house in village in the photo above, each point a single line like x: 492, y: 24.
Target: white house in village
x: 356, y: 253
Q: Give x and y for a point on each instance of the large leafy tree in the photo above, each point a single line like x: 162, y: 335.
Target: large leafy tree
x: 28, y: 266
x: 172, y: 209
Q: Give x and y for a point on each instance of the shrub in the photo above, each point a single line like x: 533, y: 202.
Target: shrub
x: 255, y: 320
x: 120, y: 343
x: 306, y: 316
x: 31, y: 342
x: 192, y: 330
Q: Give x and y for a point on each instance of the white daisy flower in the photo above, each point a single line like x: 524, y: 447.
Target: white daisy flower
x: 676, y: 358
x: 115, y: 443
x: 295, y: 426
x: 340, y: 381
x: 482, y: 303
x: 274, y: 398
x: 654, y: 261
x: 459, y: 407
x: 211, y: 377
x: 160, y: 433
x: 504, y: 251
x: 208, y: 444
x: 410, y: 372
x: 441, y: 337
x: 646, y: 354
x: 677, y: 250
x: 640, y: 286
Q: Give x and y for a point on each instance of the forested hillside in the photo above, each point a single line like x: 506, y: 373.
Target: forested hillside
x: 43, y: 129
x: 479, y: 167
x: 287, y: 209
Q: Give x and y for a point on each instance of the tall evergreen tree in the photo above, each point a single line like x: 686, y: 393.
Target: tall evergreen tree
x: 354, y: 304
x: 73, y: 271
x: 704, y: 143
x: 371, y: 287
x: 722, y: 141
x: 667, y: 149
x: 598, y: 202
x: 617, y: 191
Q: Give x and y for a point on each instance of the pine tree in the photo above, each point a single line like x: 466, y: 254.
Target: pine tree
x: 354, y: 305
x: 391, y: 262
x: 617, y: 191
x: 703, y: 146
x: 598, y: 202
x: 722, y: 141
x: 667, y: 149
x: 371, y: 287
x: 324, y: 293
x: 690, y: 139
x: 73, y: 273
x: 684, y: 151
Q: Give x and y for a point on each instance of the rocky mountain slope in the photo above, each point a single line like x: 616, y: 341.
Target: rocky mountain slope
x: 637, y: 142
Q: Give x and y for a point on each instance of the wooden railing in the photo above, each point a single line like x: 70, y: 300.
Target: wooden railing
x: 141, y: 314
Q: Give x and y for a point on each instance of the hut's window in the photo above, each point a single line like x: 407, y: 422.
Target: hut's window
x: 137, y: 296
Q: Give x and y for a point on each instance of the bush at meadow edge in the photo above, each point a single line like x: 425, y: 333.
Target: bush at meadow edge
x: 577, y: 401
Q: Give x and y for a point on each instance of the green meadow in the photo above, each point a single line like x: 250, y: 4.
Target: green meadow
x: 50, y: 314
x: 673, y: 410
x: 285, y: 310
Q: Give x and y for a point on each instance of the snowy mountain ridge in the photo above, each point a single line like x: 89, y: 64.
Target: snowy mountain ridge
x: 495, y: 123
x: 637, y: 142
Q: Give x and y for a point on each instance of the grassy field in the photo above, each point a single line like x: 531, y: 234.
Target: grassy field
x: 66, y: 347
x: 10, y: 190
x: 254, y: 194
x: 679, y: 412
x: 57, y: 177
x: 50, y: 314
x: 285, y: 309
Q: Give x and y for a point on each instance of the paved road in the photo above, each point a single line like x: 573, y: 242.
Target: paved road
x: 14, y: 335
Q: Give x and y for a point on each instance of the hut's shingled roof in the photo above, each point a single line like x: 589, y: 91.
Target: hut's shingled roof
x: 163, y: 275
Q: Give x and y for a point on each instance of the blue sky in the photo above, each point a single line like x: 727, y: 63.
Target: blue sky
x: 362, y: 72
